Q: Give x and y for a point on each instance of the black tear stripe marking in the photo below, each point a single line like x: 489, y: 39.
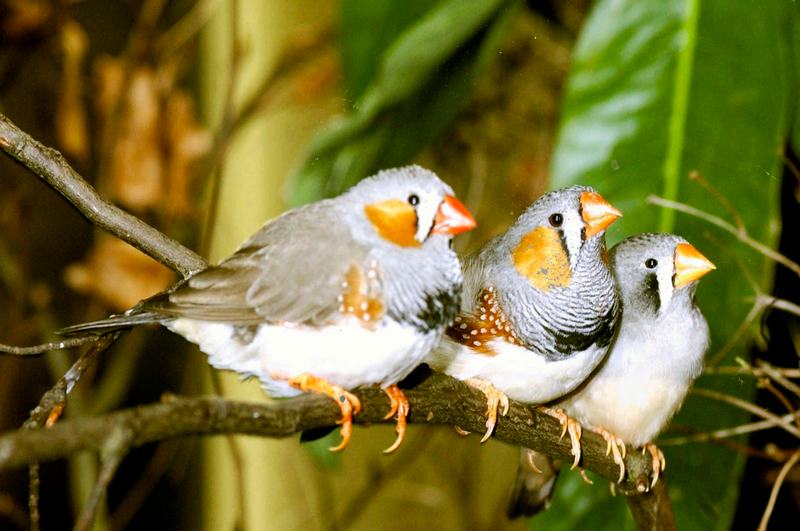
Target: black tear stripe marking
x: 562, y: 238
x: 437, y: 313
x: 566, y: 344
x: 651, y: 293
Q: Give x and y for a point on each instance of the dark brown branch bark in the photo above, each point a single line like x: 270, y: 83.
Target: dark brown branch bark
x: 652, y: 511
x: 51, y: 166
x: 437, y: 400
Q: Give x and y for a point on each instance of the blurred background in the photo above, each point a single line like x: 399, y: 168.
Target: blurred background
x: 206, y: 118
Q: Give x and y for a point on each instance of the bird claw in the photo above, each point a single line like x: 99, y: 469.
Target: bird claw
x: 348, y: 403
x: 494, y: 400
x: 400, y: 407
x: 659, y: 462
x: 615, y: 446
x: 531, y: 463
x: 568, y: 424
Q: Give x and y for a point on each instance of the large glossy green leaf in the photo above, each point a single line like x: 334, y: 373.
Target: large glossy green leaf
x: 417, y: 86
x: 660, y: 89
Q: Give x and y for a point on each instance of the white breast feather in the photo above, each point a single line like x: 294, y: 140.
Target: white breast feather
x: 520, y: 373
x: 349, y: 355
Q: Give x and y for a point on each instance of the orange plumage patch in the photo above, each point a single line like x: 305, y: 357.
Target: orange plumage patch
x: 487, y: 324
x: 395, y: 220
x: 541, y: 259
x: 360, y: 297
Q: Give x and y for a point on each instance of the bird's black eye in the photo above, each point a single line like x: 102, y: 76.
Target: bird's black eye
x: 651, y: 263
x: 556, y: 220
x: 413, y: 199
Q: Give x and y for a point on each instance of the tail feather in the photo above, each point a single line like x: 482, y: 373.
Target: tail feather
x: 115, y: 322
x: 532, y: 491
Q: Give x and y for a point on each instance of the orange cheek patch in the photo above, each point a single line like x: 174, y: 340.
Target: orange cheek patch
x: 541, y: 259
x: 360, y: 297
x: 395, y: 220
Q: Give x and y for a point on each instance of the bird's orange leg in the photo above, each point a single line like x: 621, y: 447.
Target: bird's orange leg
x: 399, y: 406
x: 659, y: 462
x: 568, y: 424
x: 348, y: 403
x: 494, y: 399
x: 616, y: 447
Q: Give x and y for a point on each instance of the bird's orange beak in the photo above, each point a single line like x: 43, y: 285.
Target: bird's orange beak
x: 452, y: 217
x: 690, y: 265
x: 597, y: 213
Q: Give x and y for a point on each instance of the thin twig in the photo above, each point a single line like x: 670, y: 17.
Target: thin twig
x: 724, y: 433
x: 766, y: 383
x: 780, y: 304
x: 779, y: 376
x: 695, y: 176
x: 747, y: 406
x: 145, y: 484
x: 773, y: 496
x: 50, y: 165
x: 116, y: 449
x: 37, y: 350
x: 742, y: 235
x: 34, y: 482
x: 737, y: 370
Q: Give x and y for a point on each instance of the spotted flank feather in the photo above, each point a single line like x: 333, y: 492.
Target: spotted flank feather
x: 478, y: 330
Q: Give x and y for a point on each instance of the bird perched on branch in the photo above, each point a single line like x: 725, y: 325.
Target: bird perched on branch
x: 657, y: 354
x: 341, y: 293
x: 539, y: 309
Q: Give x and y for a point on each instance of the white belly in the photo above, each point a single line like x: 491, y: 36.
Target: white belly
x: 349, y: 355
x: 521, y: 374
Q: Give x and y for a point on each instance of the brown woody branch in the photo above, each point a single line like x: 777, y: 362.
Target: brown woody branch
x: 51, y: 166
x: 438, y: 399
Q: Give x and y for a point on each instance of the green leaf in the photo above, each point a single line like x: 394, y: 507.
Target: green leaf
x: 368, y: 28
x: 419, y: 85
x: 660, y: 89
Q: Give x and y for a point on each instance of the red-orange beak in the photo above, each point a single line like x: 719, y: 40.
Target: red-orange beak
x: 597, y: 213
x: 452, y: 217
x: 690, y: 265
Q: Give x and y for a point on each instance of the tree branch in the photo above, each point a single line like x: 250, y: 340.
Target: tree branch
x: 51, y: 166
x: 439, y: 399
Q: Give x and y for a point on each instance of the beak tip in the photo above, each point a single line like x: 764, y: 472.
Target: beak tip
x: 453, y: 217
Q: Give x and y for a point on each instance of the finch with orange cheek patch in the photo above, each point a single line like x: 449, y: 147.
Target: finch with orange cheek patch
x: 338, y: 294
x: 540, y: 307
x: 657, y: 354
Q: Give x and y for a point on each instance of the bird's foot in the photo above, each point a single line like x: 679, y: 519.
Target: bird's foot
x: 616, y: 447
x: 348, y: 403
x: 659, y: 462
x: 494, y: 399
x: 400, y: 407
x: 568, y: 424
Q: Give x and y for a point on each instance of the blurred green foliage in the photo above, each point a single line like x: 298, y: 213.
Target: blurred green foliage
x: 409, y: 70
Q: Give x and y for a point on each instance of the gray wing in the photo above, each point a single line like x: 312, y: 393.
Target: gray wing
x: 291, y: 270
